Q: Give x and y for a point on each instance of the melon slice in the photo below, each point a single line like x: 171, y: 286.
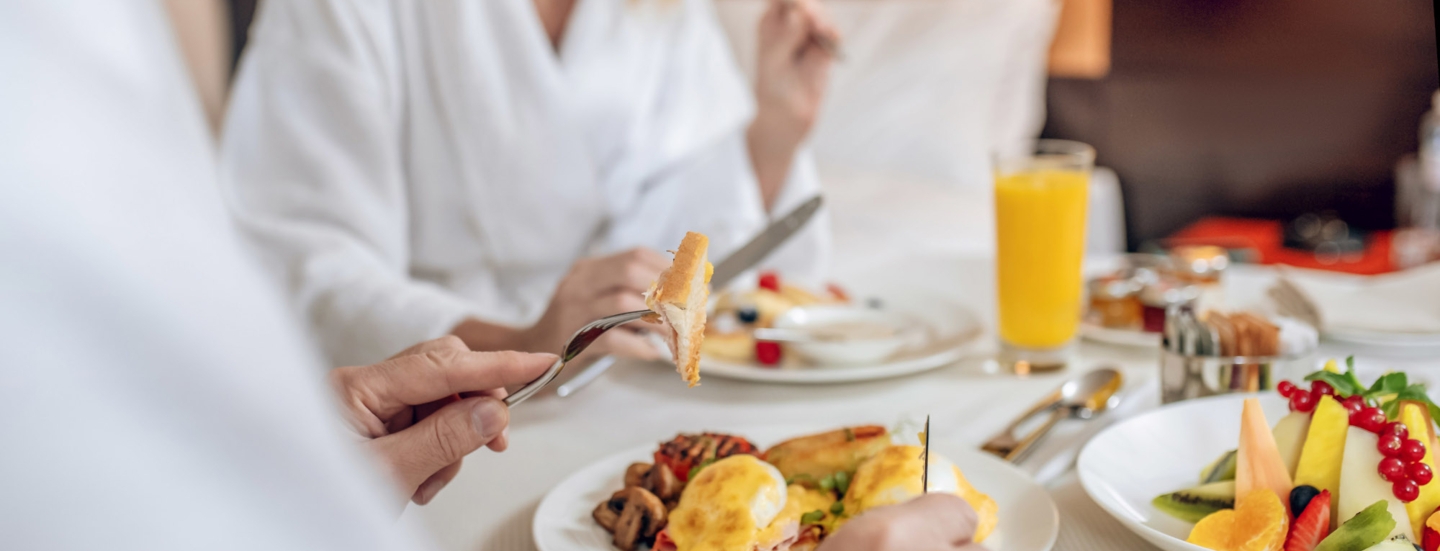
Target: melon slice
x: 1416, y: 419
x: 1361, y: 485
x: 1258, y: 464
x: 1290, y: 438
x: 1324, y: 449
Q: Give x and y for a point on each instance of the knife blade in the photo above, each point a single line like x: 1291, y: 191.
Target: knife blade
x: 762, y: 245
x: 925, y: 474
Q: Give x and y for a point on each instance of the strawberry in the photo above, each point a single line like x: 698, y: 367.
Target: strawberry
x: 767, y: 352
x: 1311, y: 526
x: 770, y: 280
x: 1430, y: 538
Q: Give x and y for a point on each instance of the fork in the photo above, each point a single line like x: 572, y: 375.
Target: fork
x: 578, y: 343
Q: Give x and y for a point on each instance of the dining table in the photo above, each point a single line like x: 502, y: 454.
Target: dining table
x: 929, y: 241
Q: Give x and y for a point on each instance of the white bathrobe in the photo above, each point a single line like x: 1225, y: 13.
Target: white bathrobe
x: 405, y: 165
x: 155, y: 394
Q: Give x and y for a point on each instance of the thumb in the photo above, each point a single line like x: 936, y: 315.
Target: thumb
x: 447, y: 436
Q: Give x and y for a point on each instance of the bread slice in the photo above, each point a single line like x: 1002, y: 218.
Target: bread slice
x: 680, y: 297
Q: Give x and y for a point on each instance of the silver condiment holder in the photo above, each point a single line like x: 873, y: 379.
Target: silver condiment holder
x: 1192, y: 367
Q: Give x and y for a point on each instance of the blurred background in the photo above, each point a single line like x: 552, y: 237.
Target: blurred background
x: 1227, y: 121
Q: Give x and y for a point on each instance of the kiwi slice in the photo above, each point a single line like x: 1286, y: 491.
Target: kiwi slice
x: 1223, y: 468
x: 1198, y: 502
x: 1365, y: 529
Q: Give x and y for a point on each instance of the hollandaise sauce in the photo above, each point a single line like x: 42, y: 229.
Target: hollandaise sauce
x: 727, y: 505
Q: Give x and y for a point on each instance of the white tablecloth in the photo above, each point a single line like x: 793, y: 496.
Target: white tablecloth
x: 490, y: 504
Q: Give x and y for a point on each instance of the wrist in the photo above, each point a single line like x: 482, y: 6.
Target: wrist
x: 770, y: 158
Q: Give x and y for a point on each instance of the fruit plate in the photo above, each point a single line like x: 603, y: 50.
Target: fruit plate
x: 1127, y: 465
x: 1029, y: 520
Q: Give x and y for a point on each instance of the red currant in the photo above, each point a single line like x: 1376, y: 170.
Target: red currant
x: 1420, y: 473
x: 1303, y: 402
x: 1353, y: 404
x: 1397, y: 428
x: 1370, y: 419
x: 1412, y: 451
x: 1389, y: 445
x: 767, y: 352
x: 1392, y: 469
x: 1406, y: 490
x: 1321, y: 388
x: 770, y: 280
x: 1285, y: 388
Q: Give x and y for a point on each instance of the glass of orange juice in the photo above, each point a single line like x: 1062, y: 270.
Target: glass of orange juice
x: 1040, y: 196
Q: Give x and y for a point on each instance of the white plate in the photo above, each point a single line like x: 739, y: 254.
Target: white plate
x: 1384, y: 339
x: 1028, y: 518
x: 955, y: 333
x: 1162, y: 451
x: 1122, y: 337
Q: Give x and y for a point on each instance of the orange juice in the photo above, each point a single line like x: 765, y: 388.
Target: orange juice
x: 1040, y: 227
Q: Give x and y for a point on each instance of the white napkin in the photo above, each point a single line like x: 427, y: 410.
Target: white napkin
x: 1402, y: 302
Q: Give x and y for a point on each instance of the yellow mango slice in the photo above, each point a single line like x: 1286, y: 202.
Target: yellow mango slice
x: 1324, y: 450
x: 1418, y: 422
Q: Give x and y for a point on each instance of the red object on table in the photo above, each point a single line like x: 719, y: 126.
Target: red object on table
x: 1266, y: 238
x: 770, y: 280
x: 767, y: 352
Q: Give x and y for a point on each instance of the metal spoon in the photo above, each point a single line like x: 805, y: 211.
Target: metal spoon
x: 1083, y: 397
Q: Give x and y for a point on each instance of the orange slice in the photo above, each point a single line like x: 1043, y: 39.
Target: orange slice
x: 1257, y: 523
x: 1260, y: 522
x: 1213, y: 531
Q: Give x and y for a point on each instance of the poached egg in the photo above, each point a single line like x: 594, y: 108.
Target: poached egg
x: 740, y: 503
x: 893, y: 476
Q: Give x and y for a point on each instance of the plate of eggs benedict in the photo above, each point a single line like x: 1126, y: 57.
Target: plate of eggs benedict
x: 722, y: 492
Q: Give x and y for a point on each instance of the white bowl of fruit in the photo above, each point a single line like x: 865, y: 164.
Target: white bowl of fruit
x: 1345, y: 467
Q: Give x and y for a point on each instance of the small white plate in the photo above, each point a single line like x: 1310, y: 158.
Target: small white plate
x: 1029, y: 520
x: 1122, y: 337
x: 953, y: 334
x: 1127, y: 465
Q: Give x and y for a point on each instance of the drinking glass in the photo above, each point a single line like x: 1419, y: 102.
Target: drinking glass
x: 1041, y: 193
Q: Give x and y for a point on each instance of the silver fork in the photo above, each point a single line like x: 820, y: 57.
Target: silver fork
x: 578, y: 343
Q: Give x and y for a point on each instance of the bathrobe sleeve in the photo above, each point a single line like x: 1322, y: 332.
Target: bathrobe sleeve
x: 312, y: 158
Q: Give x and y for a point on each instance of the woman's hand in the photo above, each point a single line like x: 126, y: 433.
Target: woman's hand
x: 428, y: 407
x: 595, y: 288
x: 932, y: 522
x: 791, y: 71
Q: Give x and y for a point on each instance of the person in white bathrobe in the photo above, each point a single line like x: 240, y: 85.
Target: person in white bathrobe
x: 155, y: 394
x: 507, y: 170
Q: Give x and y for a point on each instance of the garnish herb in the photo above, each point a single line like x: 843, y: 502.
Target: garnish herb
x: 827, y: 483
x: 837, y: 508
x: 802, y: 477
x: 1388, y: 391
x: 696, y: 469
x: 812, y: 517
x: 842, y: 482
